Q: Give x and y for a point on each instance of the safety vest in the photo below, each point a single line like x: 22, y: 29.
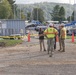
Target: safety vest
x: 50, y: 32
x: 63, y: 33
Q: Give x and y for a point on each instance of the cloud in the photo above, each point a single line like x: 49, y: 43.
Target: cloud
x: 37, y: 1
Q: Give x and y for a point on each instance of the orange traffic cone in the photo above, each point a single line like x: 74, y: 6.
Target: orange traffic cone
x: 28, y: 37
x: 57, y: 40
x: 72, y: 37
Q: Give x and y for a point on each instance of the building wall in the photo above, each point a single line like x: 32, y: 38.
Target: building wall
x: 13, y: 27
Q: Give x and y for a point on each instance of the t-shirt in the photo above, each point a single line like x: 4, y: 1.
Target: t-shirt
x: 42, y: 36
x: 63, y: 33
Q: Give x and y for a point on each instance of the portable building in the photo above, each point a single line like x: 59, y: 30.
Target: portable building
x: 8, y: 27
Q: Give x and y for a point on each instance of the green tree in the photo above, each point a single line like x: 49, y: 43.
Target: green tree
x: 5, y: 9
x: 38, y: 14
x: 61, y: 14
x: 68, y: 18
x: 11, y: 2
x: 28, y: 16
x: 55, y: 13
x: 23, y: 17
x: 71, y: 18
x: 58, y: 13
x: 13, y: 7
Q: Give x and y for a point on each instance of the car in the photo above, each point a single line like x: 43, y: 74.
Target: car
x: 38, y: 27
x: 15, y: 36
x: 71, y: 31
x: 30, y: 26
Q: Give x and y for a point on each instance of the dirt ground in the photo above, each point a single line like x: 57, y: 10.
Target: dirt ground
x: 26, y: 59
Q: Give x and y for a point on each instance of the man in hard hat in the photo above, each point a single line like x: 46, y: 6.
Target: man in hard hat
x: 63, y: 37
x: 50, y: 33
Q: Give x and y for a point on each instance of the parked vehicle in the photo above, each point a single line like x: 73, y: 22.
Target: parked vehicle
x: 38, y: 27
x: 30, y: 26
x: 70, y: 31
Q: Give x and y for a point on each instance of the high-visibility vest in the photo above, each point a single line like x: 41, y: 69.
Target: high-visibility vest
x: 63, y: 33
x: 50, y: 32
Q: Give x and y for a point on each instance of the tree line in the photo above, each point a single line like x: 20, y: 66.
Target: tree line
x: 10, y: 10
x: 57, y: 14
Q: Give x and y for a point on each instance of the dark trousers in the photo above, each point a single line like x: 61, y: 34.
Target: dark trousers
x: 55, y: 43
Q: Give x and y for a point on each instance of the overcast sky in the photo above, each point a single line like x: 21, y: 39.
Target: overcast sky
x: 37, y: 1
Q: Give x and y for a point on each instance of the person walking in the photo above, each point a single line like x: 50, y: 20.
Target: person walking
x: 63, y: 37
x: 50, y: 33
x: 41, y: 39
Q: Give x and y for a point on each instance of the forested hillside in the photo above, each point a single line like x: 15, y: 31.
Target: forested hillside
x: 46, y: 7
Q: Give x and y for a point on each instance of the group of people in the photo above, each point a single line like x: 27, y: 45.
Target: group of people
x: 51, y: 33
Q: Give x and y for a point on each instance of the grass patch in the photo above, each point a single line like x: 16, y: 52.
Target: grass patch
x: 69, y: 37
x: 11, y: 42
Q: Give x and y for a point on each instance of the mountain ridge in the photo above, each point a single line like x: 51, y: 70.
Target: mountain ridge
x: 47, y: 7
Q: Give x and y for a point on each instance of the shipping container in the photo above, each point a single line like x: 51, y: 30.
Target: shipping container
x: 8, y: 27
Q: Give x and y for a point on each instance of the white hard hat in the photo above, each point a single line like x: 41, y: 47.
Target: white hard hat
x: 62, y: 24
x: 50, y: 24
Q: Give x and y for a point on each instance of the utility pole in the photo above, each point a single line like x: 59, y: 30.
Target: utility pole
x: 20, y: 12
x: 74, y: 11
x: 14, y: 10
x: 37, y: 14
x: 31, y: 14
x: 70, y: 9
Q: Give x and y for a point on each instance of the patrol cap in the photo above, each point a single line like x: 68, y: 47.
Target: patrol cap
x: 51, y: 25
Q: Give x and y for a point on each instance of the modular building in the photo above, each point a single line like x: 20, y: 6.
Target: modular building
x: 8, y: 27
